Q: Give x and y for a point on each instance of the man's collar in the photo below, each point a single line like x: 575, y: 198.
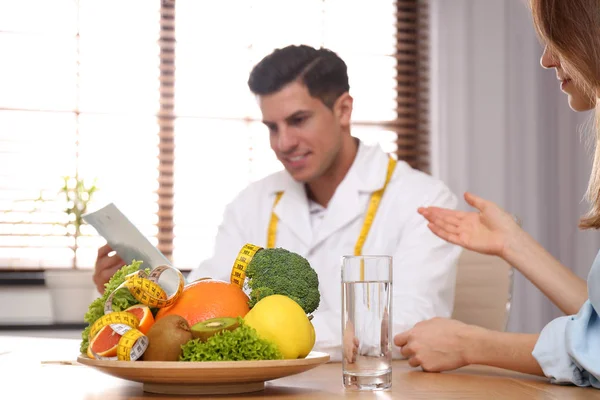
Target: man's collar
x: 366, y: 175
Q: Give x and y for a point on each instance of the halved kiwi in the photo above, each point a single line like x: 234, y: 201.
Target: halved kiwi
x: 205, y: 329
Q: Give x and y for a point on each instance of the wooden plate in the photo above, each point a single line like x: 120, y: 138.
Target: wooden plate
x: 210, y: 377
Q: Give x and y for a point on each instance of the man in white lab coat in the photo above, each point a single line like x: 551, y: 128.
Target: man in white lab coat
x: 321, y: 198
x: 329, y: 177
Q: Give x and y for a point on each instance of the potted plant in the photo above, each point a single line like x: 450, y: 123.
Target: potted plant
x: 72, y: 289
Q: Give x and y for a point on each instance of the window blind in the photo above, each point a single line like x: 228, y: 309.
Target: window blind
x: 151, y: 102
x: 78, y: 96
x: 412, y: 50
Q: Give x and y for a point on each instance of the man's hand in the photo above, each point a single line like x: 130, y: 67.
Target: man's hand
x: 351, y: 344
x: 436, y: 345
x: 106, y: 266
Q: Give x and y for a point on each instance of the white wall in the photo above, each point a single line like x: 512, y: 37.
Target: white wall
x: 503, y: 130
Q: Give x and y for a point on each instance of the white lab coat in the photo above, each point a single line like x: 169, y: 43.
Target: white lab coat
x: 424, y: 266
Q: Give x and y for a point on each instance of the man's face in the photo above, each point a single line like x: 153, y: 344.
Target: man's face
x: 305, y: 134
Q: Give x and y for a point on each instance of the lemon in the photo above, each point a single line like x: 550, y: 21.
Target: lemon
x: 282, y: 321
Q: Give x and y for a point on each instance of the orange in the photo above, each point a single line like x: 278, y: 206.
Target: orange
x: 208, y: 298
x: 144, y: 315
x: 106, y: 341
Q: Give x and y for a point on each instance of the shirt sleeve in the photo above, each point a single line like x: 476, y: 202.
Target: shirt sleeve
x: 568, y: 349
x: 424, y: 270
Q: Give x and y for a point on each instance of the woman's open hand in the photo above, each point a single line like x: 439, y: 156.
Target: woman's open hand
x: 487, y: 231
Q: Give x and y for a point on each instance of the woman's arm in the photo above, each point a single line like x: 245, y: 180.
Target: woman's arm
x: 494, y: 231
x: 557, y: 282
x: 504, y: 350
x: 460, y: 344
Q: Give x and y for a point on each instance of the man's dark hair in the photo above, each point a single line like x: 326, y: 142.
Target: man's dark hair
x: 322, y: 71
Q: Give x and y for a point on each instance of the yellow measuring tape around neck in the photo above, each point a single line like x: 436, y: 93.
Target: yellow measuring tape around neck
x: 272, y: 231
x: 370, y: 216
x: 372, y: 209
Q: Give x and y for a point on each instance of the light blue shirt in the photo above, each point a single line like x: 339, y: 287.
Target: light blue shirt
x: 568, y: 349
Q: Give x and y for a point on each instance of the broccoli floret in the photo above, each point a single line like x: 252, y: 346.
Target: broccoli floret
x: 279, y: 271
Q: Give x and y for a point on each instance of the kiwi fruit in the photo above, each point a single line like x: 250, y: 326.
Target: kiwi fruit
x: 210, y: 327
x: 165, y: 338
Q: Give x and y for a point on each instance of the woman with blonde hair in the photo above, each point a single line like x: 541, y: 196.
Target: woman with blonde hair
x: 568, y: 348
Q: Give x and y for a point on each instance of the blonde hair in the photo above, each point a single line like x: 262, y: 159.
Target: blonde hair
x: 572, y: 30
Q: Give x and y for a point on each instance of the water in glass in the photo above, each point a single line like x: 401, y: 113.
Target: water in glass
x: 366, y: 331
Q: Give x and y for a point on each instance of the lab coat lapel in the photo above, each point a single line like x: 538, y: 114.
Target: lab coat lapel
x: 293, y: 212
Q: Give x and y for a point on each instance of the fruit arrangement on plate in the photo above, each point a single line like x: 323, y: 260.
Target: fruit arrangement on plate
x: 263, y: 313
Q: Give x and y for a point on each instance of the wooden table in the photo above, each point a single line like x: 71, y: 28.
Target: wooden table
x: 25, y: 372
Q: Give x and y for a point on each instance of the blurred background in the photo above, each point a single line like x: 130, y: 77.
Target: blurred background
x: 144, y: 103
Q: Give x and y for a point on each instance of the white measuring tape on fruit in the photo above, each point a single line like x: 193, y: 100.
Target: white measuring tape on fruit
x: 145, y: 288
x: 238, y: 272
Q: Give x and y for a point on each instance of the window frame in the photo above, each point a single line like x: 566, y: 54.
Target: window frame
x: 411, y: 124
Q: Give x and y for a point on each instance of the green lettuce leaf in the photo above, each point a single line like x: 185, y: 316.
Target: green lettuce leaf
x: 240, y: 344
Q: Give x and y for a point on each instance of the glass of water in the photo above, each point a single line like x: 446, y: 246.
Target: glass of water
x: 367, y: 322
